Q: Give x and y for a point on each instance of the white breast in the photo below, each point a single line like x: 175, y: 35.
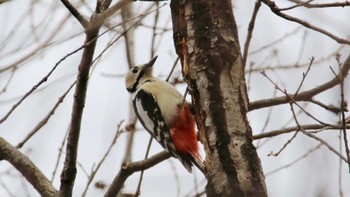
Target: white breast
x: 166, y: 95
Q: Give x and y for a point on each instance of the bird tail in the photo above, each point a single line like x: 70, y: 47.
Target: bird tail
x: 197, y: 162
x: 189, y: 159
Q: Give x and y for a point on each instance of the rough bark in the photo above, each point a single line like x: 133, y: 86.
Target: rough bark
x: 206, y: 40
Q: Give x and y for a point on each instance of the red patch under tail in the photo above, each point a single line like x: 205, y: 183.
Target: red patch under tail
x: 183, y: 132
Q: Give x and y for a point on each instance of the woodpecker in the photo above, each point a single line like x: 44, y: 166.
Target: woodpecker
x: 164, y: 113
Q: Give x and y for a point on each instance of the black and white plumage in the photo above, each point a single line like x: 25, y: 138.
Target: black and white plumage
x: 151, y: 118
x: 163, y: 113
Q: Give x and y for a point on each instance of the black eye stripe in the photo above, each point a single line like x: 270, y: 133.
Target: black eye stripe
x: 139, y: 76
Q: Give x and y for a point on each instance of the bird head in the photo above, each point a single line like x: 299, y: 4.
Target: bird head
x: 137, y: 74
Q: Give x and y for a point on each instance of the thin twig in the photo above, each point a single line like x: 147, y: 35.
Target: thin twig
x: 75, y: 13
x: 99, y: 164
x: 278, y: 40
x: 295, y: 161
x: 267, y: 121
x: 331, y: 108
x: 299, y: 4
x: 304, y: 76
x: 172, y: 69
x: 286, y: 130
x: 176, y: 176
x: 340, y: 180
x: 154, y: 31
x: 126, y: 13
x: 343, y: 118
x: 292, y: 100
x: 296, y: 66
x: 138, y: 190
x: 292, y: 138
x: 39, y: 48
x: 305, y: 95
x: 250, y: 32
x: 324, y: 143
x: 129, y: 168
x: 44, y: 120
x: 38, y: 84
x: 275, y: 9
x: 8, y: 80
x: 60, y: 153
x: 315, y: 137
x: 321, y: 5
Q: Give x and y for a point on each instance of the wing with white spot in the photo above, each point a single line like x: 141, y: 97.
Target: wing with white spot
x: 150, y: 116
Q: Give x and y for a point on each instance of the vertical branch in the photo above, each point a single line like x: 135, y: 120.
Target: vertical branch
x: 127, y: 13
x: 343, y: 118
x: 156, y: 16
x: 340, y: 165
x: 138, y: 190
x: 69, y: 170
x: 250, y: 32
x: 102, y: 12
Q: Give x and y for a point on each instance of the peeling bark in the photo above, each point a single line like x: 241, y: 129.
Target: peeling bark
x: 206, y: 40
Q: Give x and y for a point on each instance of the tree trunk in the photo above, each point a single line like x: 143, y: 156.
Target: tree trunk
x: 206, y: 40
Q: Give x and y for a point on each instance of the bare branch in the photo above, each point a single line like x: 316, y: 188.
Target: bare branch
x: 325, y: 143
x: 126, y: 13
x: 75, y: 13
x: 37, y: 49
x: 60, y: 153
x: 331, y: 108
x: 154, y: 32
x: 69, y: 170
x: 305, y: 95
x: 23, y: 164
x: 129, y: 168
x: 298, y: 4
x: 38, y: 84
x: 304, y: 76
x: 319, y: 5
x: 275, y: 9
x: 13, y: 70
x: 278, y: 40
x: 250, y: 32
x: 138, y: 190
x: 292, y: 100
x: 44, y: 120
x: 295, y: 161
x: 343, y: 118
x: 295, y: 128
x: 98, y: 18
x: 93, y: 173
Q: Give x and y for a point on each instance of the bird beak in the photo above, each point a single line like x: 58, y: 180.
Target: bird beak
x: 150, y: 63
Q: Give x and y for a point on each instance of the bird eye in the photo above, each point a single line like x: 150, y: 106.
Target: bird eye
x: 134, y: 70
